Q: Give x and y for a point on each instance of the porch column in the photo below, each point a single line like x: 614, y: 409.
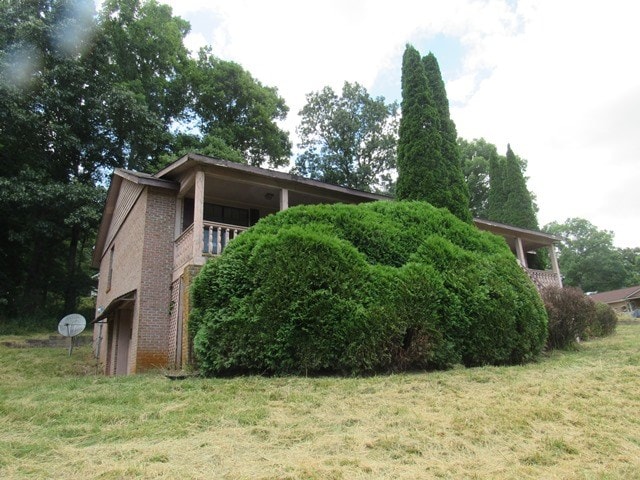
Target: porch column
x: 198, y: 216
x: 284, y: 199
x: 520, y: 252
x: 554, y: 263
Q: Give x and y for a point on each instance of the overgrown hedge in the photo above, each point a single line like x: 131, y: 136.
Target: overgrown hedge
x: 574, y: 316
x: 356, y: 289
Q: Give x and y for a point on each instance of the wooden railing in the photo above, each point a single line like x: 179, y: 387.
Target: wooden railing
x: 543, y: 278
x: 216, y: 237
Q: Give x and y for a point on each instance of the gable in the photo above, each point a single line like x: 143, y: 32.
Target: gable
x: 129, y: 193
x: 124, y: 190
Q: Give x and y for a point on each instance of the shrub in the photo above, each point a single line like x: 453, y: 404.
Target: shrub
x: 605, y: 321
x: 570, y: 314
x: 358, y: 289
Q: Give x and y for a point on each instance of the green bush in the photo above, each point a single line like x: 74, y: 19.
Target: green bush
x: 604, y: 322
x: 570, y: 313
x: 355, y: 289
x: 26, y: 325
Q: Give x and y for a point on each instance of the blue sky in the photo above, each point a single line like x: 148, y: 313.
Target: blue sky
x: 558, y: 80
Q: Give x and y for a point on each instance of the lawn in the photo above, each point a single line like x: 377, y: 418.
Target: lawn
x: 571, y: 415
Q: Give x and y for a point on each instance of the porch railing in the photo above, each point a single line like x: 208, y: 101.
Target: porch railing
x: 543, y: 278
x: 216, y: 236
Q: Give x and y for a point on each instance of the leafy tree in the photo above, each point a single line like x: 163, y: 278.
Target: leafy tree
x: 81, y: 94
x: 425, y: 171
x: 476, y: 156
x: 348, y: 140
x: 232, y: 106
x: 587, y: 257
x: 631, y: 258
x: 51, y: 150
x: 144, y: 64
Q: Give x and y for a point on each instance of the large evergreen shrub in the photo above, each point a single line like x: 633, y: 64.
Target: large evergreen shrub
x: 354, y: 289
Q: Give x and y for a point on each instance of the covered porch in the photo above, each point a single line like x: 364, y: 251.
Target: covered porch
x: 527, y: 245
x: 217, y: 200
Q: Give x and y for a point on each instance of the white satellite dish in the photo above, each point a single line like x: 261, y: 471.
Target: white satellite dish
x: 70, y: 326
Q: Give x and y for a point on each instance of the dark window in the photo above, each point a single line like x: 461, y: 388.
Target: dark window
x: 228, y: 215
x: 187, y: 213
x: 242, y: 217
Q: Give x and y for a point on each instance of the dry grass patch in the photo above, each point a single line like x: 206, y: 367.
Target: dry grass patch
x: 573, y: 415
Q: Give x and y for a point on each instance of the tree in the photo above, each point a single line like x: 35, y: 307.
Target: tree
x: 425, y: 171
x: 81, y: 94
x: 231, y: 106
x: 631, y: 257
x: 348, y: 140
x: 512, y: 203
x: 457, y: 192
x: 144, y: 64
x: 50, y: 89
x: 587, y: 257
x: 476, y: 156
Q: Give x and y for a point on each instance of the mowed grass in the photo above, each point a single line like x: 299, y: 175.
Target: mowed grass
x: 572, y: 415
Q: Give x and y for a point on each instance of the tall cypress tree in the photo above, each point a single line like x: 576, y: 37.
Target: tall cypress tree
x: 419, y: 142
x: 455, y: 195
x: 424, y: 171
x: 518, y: 209
x: 510, y: 201
x: 497, y: 193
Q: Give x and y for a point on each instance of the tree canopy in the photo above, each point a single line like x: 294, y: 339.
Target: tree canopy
x: 588, y: 259
x: 348, y: 140
x: 476, y: 156
x: 82, y: 92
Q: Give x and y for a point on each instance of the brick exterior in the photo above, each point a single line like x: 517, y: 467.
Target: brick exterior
x: 154, y: 298
x: 142, y: 263
x: 125, y: 277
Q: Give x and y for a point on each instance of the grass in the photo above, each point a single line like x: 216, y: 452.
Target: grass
x: 572, y: 415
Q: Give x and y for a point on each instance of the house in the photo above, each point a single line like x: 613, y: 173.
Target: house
x: 158, y: 230
x: 623, y: 300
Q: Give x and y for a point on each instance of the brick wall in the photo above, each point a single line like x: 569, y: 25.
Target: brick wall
x: 126, y: 274
x: 152, y: 332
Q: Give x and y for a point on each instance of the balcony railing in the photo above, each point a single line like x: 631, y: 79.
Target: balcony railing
x: 543, y: 278
x: 216, y: 237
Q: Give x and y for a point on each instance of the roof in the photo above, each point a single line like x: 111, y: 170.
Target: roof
x: 619, y: 295
x: 286, y: 180
x: 510, y: 230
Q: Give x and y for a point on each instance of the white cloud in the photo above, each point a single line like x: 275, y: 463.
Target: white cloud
x: 559, y: 80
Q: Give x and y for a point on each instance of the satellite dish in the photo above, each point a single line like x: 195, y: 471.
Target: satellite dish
x: 70, y: 326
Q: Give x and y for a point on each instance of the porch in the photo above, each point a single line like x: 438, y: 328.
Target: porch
x: 529, y: 248
x: 218, y: 200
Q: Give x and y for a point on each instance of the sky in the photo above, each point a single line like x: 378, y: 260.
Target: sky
x: 558, y: 80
